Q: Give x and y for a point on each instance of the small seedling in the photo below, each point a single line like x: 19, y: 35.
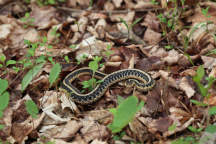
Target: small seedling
x: 27, y: 20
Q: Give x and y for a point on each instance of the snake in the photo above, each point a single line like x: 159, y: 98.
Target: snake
x: 133, y: 77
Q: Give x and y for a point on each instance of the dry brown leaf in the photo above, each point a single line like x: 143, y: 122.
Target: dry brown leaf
x: 186, y: 87
x: 188, y: 72
x: 198, y: 16
x: 20, y: 131
x: 117, y: 3
x: 51, y: 105
x: 68, y: 130
x: 91, y: 47
x: 170, y: 81
x: 80, y: 26
x: 138, y: 130
x: 102, y: 116
x: 67, y: 103
x: 96, y: 141
x: 152, y: 22
x: 6, y: 120
x: 83, y: 2
x: 156, y: 51
x: 2, y: 2
x: 51, y: 37
x: 177, y: 116
x: 96, y: 16
x: 127, y: 17
x: 44, y: 17
x: 151, y: 36
x: 161, y: 125
x: 209, y: 62
x: 172, y: 57
x: 5, y: 30
x: 92, y: 130
x: 71, y: 3
x: 144, y: 4
x: 18, y: 33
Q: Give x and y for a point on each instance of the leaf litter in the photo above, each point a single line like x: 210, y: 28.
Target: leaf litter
x: 168, y: 39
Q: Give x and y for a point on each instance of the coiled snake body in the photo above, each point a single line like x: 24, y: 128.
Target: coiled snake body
x: 134, y: 77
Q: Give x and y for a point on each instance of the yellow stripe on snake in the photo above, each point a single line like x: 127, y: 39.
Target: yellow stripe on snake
x: 134, y: 77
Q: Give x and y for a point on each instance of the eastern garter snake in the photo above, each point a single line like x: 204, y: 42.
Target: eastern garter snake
x: 135, y: 77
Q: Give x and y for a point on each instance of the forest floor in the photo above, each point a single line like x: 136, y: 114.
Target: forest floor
x: 173, y: 42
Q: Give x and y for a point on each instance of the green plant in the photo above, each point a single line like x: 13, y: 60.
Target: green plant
x: 205, y: 12
x: 48, y: 2
x: 66, y: 58
x: 186, y: 140
x: 119, y: 136
x: 54, y: 73
x: 73, y: 46
x: 27, y: 20
x: 4, y: 97
x: 93, y: 65
x: 30, y: 75
x: 91, y: 3
x: 129, y: 27
x: 168, y: 47
x: 204, y: 90
x: 83, y: 58
x: 124, y: 113
x: 4, y: 64
x: 55, y: 34
x: 154, y: 2
x: 172, y: 127
x: 198, y: 78
x: 31, y: 108
x: 108, y: 52
x: 195, y: 130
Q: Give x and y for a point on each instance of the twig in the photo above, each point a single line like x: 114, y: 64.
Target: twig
x: 109, y: 12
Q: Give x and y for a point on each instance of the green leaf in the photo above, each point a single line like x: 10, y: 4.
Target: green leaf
x: 44, y: 39
x: 198, y: 103
x: 195, y: 130
x: 2, y: 57
x: 16, y: 69
x: 30, y: 75
x: 3, y: 85
x: 90, y: 84
x: 199, y: 74
x: 135, y: 22
x: 31, y: 108
x: 54, y: 73
x: 93, y: 65
x: 124, y: 22
x: 124, y: 113
x: 211, y: 129
x: 168, y: 47
x: 4, y: 100
x: 49, y: 46
x: 51, y: 60
x: 27, y: 64
x: 10, y: 62
x: 203, y: 89
x: 41, y: 59
x: 120, y: 99
x: 172, y: 127
x: 73, y: 46
x: 212, y: 110
x: 67, y: 59
x: 1, y: 126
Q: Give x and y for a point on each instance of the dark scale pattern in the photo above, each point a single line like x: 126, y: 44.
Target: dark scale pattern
x: 136, y: 77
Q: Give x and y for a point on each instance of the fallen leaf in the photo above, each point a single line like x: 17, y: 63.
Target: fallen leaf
x: 186, y: 87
